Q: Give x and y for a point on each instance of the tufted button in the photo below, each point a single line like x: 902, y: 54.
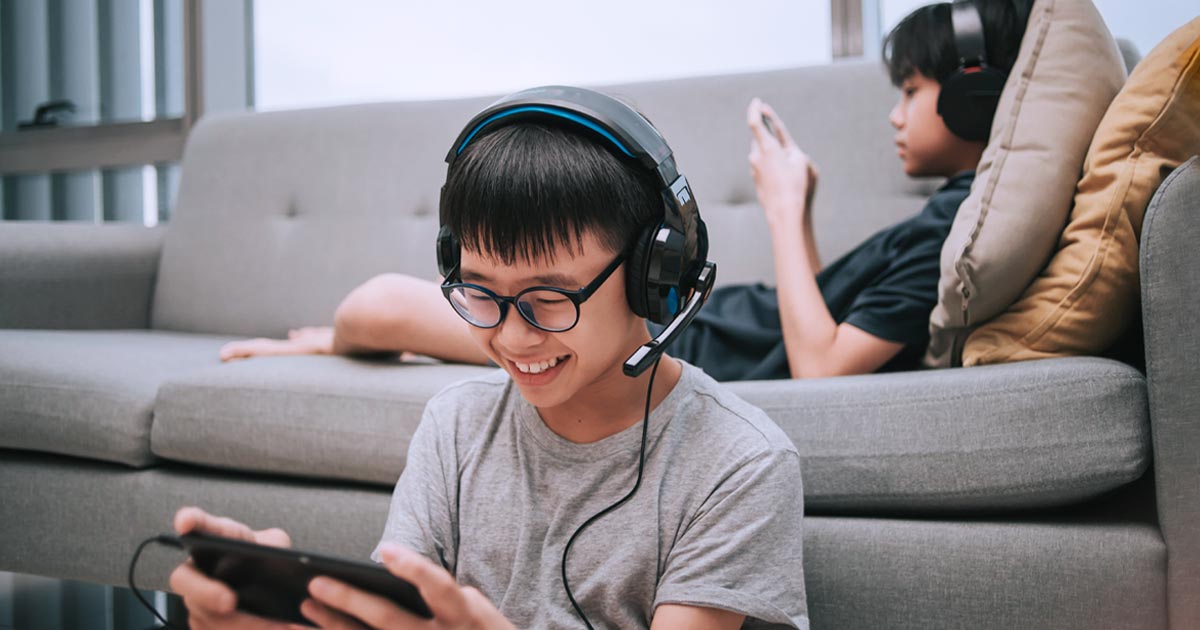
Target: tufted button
x: 291, y: 211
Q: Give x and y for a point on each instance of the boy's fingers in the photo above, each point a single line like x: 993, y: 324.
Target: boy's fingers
x: 274, y: 537
x: 754, y: 121
x: 189, y: 519
x: 437, y: 587
x: 782, y: 134
x: 376, y: 611
x: 327, y: 618
x: 201, y: 592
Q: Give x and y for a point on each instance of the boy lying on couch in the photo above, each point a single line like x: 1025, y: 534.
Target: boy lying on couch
x: 867, y: 311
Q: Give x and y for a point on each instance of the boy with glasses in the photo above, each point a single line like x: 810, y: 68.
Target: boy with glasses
x: 560, y: 491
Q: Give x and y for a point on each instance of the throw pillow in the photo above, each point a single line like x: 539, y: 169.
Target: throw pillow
x: 1088, y: 294
x: 1066, y: 74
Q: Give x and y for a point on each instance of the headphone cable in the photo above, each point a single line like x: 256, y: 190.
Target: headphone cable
x: 162, y: 539
x: 621, y: 501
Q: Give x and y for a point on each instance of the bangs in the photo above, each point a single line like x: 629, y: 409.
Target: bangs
x: 527, y: 189
x: 922, y: 42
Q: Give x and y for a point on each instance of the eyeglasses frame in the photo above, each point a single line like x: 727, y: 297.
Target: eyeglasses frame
x: 577, y: 297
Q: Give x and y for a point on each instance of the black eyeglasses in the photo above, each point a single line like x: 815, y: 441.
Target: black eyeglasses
x: 549, y: 308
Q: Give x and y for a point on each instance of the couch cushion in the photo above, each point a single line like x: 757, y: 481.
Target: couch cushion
x: 309, y: 416
x: 90, y: 393
x: 1011, y: 436
x: 1048, y: 433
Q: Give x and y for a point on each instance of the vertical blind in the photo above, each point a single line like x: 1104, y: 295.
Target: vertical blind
x: 115, y: 61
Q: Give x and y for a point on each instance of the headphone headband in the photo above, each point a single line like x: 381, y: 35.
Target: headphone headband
x: 616, y: 122
x: 969, y: 96
x: 968, y: 34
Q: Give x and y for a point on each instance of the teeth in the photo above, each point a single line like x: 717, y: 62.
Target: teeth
x: 538, y: 368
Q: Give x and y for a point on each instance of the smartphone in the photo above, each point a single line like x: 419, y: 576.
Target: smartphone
x: 770, y: 126
x: 271, y: 582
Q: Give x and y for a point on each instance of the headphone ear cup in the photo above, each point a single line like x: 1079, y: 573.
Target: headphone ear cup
x: 967, y: 102
x: 447, y: 253
x: 636, y: 266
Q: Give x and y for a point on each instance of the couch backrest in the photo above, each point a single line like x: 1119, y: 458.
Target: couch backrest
x: 280, y: 214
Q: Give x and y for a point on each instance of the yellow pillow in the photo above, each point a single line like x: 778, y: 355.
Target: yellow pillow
x: 1088, y: 293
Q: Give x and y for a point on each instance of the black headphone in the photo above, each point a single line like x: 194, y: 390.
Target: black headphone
x: 669, y: 259
x: 969, y: 97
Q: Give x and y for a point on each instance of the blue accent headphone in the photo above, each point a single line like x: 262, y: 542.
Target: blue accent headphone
x: 667, y: 258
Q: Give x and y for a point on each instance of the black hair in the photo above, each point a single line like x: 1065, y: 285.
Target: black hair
x: 522, y: 190
x: 924, y: 40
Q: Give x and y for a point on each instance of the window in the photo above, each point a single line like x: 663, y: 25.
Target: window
x: 313, y: 52
x: 96, y: 99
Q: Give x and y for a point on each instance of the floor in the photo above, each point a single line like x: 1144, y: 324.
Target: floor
x: 29, y: 602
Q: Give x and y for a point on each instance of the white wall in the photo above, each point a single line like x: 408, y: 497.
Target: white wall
x: 319, y: 52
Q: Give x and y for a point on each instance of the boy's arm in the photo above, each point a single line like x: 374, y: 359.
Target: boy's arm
x: 421, y: 516
x: 695, y: 618
x: 390, y: 313
x: 815, y: 344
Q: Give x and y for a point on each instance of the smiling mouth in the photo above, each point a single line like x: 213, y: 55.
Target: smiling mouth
x: 541, y: 366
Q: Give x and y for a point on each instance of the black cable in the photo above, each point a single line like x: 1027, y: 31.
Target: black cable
x: 163, y: 539
x: 636, y: 485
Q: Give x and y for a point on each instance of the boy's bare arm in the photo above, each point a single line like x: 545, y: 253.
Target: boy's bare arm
x: 390, y: 313
x: 815, y: 344
x: 695, y: 618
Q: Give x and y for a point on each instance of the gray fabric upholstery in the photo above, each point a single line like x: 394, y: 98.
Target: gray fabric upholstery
x: 321, y: 417
x: 958, y: 439
x: 82, y: 520
x: 880, y: 573
x: 373, y: 208
x: 90, y: 393
x: 68, y: 276
x: 1170, y: 288
x: 308, y: 239
x: 1022, y: 435
x: 1129, y: 53
x: 79, y: 519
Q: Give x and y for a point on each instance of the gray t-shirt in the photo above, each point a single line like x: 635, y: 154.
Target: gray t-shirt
x: 492, y: 494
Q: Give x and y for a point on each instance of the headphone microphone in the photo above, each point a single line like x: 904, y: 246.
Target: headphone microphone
x: 648, y: 353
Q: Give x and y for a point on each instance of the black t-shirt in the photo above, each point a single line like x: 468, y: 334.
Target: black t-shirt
x: 887, y: 286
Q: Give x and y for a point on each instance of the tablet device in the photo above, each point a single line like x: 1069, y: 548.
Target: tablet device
x: 271, y: 581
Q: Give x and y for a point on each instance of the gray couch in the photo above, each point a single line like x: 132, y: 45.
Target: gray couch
x: 1050, y: 494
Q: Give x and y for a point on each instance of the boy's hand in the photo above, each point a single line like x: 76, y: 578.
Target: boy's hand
x: 784, y: 177
x: 337, y: 606
x: 210, y: 603
x: 307, y: 340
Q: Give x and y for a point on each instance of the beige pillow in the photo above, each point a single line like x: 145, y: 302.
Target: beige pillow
x: 1066, y: 74
x: 1088, y: 294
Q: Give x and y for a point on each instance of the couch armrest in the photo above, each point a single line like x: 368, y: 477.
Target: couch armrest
x: 77, y: 276
x: 1170, y: 269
